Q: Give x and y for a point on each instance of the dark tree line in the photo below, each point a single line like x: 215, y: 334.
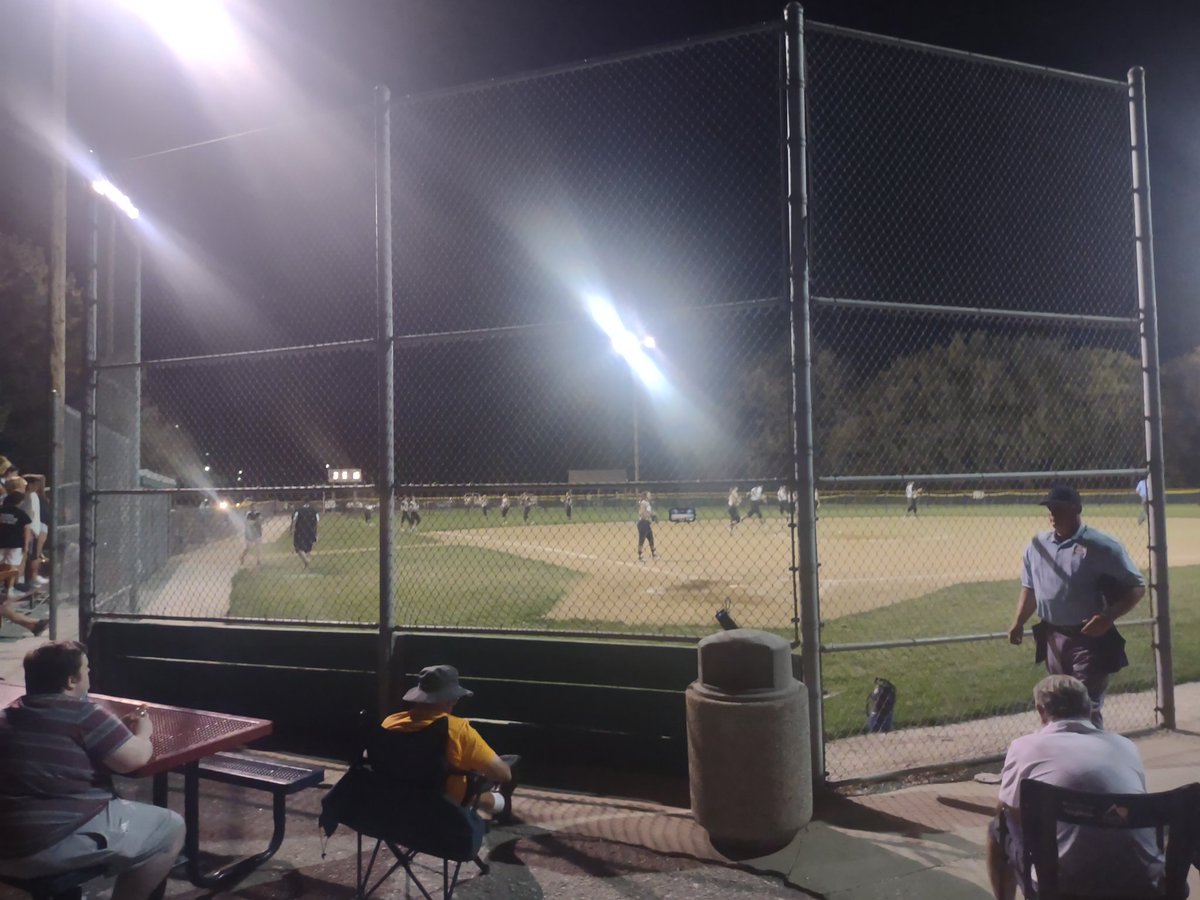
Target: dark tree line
x: 976, y: 403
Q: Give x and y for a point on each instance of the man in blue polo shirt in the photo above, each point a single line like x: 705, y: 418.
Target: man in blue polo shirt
x: 1079, y: 581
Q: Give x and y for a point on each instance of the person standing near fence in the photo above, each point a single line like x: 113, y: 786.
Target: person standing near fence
x: 414, y: 514
x: 782, y: 496
x: 254, y: 536
x: 645, y: 526
x: 1143, y: 493
x: 32, y: 504
x: 15, y: 535
x: 505, y: 503
x: 526, y: 505
x: 735, y: 500
x: 305, y: 522
x: 484, y: 503
x: 44, y: 534
x: 1079, y: 581
x: 568, y: 504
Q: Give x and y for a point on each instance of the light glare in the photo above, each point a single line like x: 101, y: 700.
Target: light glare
x: 193, y: 29
x: 625, y: 342
x: 107, y: 189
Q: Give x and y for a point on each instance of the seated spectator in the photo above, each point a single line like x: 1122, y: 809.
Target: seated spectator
x: 58, y: 811
x: 1069, y: 751
x: 434, y: 698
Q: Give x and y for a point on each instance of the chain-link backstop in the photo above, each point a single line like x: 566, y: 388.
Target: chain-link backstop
x: 544, y: 355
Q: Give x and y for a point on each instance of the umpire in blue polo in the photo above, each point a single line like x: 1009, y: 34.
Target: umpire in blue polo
x: 1079, y: 581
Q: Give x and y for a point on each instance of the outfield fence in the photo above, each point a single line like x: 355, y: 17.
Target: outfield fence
x: 837, y: 307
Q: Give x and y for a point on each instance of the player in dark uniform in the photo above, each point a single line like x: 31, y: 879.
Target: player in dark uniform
x: 414, y: 513
x: 568, y: 504
x: 526, y: 505
x: 484, y: 503
x: 305, y: 522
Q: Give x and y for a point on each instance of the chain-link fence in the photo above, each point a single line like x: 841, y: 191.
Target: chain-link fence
x: 975, y: 310
x: 596, y: 342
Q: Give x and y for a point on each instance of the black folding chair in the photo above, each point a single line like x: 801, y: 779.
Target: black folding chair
x: 1044, y: 806
x: 394, y: 792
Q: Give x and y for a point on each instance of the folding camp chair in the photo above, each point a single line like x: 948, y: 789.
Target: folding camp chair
x: 394, y: 792
x: 1044, y: 806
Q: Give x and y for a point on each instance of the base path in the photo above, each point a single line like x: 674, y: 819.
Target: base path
x: 199, y: 583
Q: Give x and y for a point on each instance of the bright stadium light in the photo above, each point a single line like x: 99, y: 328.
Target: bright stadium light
x: 106, y: 188
x: 632, y: 349
x: 627, y: 344
x: 193, y: 29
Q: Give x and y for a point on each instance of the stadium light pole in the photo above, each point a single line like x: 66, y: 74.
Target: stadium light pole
x: 649, y: 343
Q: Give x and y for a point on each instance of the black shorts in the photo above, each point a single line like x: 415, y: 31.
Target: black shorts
x: 304, y: 542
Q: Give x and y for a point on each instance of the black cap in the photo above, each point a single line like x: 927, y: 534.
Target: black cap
x: 1064, y: 494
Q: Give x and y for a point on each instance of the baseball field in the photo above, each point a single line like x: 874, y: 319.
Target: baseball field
x: 951, y: 570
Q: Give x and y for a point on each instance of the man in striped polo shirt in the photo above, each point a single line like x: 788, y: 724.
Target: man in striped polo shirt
x: 58, y: 812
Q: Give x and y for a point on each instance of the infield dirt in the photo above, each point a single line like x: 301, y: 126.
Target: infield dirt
x: 866, y: 562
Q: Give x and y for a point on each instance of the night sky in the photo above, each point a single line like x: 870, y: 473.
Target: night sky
x: 130, y: 98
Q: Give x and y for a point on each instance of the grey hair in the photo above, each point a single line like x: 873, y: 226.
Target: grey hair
x: 1062, y: 697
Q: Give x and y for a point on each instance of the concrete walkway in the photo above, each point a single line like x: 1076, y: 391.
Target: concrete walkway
x: 920, y: 842
x: 199, y: 583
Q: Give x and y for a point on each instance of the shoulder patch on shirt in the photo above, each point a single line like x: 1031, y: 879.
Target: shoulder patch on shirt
x: 1080, y: 550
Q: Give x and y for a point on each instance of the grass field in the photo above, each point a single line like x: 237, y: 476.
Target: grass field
x: 952, y: 571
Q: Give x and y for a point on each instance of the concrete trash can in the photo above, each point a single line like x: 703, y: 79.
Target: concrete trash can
x: 748, y: 751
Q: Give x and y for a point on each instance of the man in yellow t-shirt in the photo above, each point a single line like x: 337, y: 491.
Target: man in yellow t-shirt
x: 433, y: 698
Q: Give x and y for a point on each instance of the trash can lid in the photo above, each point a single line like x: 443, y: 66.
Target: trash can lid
x: 745, y: 660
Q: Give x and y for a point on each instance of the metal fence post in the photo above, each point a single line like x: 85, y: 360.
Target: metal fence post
x: 140, y: 506
x: 87, y: 462
x: 386, y: 460
x: 801, y: 351
x: 1151, y: 394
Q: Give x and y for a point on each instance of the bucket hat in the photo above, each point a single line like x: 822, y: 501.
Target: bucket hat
x: 437, y: 684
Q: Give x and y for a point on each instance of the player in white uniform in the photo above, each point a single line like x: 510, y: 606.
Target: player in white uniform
x: 644, y: 526
x: 911, y: 493
x: 735, y: 500
x: 756, y: 495
x: 568, y: 504
x: 782, y: 496
x: 505, y: 503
